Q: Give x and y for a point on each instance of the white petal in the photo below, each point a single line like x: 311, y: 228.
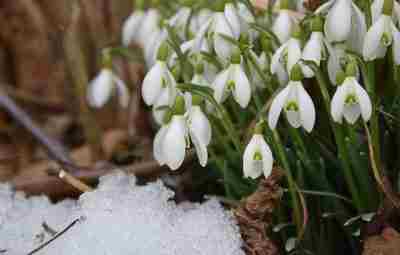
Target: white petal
x: 334, y: 66
x: 131, y: 27
x: 200, y: 36
x: 200, y: 133
x: 242, y: 92
x: 158, y: 145
x: 174, y: 144
x: 306, y: 109
x: 122, y: 91
x: 249, y: 168
x: 222, y: 47
x: 294, y: 53
x: 376, y: 9
x: 266, y: 153
x: 337, y: 103
x: 358, y: 31
x: 313, y: 49
x: 364, y: 101
x: 233, y: 19
x: 153, y: 82
x: 162, y: 100
x: 396, y: 45
x: 277, y: 105
x: 200, y: 125
x: 201, y: 149
x: 219, y: 85
x: 276, y: 63
x: 149, y: 24
x: 283, y: 26
x: 294, y: 118
x: 372, y: 42
x: 351, y: 113
x: 100, y: 89
x: 325, y: 7
x: 338, y: 21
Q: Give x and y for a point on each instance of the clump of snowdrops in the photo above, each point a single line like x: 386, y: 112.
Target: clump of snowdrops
x: 249, y: 86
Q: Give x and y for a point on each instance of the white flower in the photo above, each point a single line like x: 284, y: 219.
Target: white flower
x: 288, y: 55
x: 101, y: 88
x: 257, y: 158
x: 350, y: 101
x: 377, y: 9
x: 314, y: 49
x: 222, y: 47
x: 156, y: 80
x: 380, y: 36
x: 283, y: 25
x: 170, y: 143
x: 344, y: 22
x: 200, y: 132
x: 154, y: 40
x: 131, y: 27
x: 172, y: 139
x: 336, y: 61
x: 149, y: 24
x: 232, y: 16
x: 161, y: 104
x: 297, y: 103
x: 232, y: 80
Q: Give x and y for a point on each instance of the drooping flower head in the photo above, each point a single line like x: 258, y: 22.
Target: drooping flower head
x: 382, y: 34
x: 233, y: 80
x: 257, y: 157
x: 295, y: 102
x: 350, y: 100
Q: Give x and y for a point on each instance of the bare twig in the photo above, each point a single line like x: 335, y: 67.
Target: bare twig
x: 76, y: 183
x: 55, y: 149
x: 55, y: 237
x: 48, y: 229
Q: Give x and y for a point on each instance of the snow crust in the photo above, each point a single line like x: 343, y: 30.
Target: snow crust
x: 119, y: 217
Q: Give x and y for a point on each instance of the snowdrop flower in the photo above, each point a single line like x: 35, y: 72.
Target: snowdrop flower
x: 377, y: 9
x: 351, y: 100
x: 336, y: 61
x: 199, y: 129
x: 344, y: 22
x: 381, y: 35
x: 263, y: 63
x: 172, y: 139
x: 314, y: 50
x: 131, y: 27
x: 222, y: 47
x: 232, y: 16
x: 233, y: 80
x: 169, y: 146
x: 101, y: 89
x: 149, y: 24
x: 158, y: 79
x: 296, y: 102
x: 283, y: 25
x: 152, y: 46
x: 257, y: 158
x: 288, y: 55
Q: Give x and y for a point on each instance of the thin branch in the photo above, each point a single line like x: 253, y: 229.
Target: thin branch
x: 55, y: 149
x: 55, y: 237
x: 76, y: 183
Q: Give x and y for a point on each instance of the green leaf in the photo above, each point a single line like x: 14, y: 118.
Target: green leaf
x: 129, y: 53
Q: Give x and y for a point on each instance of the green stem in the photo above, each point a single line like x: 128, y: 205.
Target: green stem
x: 340, y: 141
x: 291, y: 183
